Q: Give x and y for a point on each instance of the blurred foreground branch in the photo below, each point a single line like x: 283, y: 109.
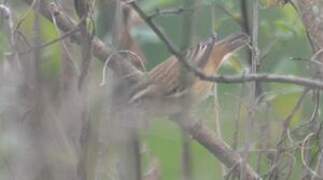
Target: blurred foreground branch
x: 99, y: 50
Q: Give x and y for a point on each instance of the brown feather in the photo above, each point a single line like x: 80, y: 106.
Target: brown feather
x: 207, y: 56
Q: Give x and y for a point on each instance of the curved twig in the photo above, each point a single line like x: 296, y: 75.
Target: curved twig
x: 307, y: 138
x: 107, y: 61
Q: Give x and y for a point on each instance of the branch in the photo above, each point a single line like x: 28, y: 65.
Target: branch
x: 6, y: 15
x: 274, y: 78
x: 311, y: 12
x: 188, y: 20
x: 177, y: 11
x: 170, y: 46
x: 255, y: 48
x: 230, y: 158
x: 99, y: 50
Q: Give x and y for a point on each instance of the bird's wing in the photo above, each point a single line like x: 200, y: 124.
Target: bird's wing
x: 169, y: 78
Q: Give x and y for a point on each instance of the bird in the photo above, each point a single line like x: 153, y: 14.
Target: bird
x: 170, y: 88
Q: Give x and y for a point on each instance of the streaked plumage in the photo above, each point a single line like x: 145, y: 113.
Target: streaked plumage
x: 168, y: 81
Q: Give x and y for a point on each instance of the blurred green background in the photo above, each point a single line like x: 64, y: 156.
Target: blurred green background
x: 284, y: 49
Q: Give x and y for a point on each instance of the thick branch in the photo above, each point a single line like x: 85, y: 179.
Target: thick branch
x: 230, y: 158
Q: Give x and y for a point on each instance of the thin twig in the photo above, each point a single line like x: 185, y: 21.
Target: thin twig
x: 253, y: 86
x: 51, y: 42
x: 309, y: 169
x: 288, y: 119
x: 255, y: 51
x: 64, y: 46
x: 216, y: 105
x: 187, y: 37
x: 107, y: 61
x: 6, y: 14
x: 314, y: 116
x: 274, y: 78
x: 316, y: 107
x: 284, y: 134
x: 156, y: 29
x: 24, y: 16
x: 163, y: 12
x: 236, y: 134
x: 228, y: 13
x: 292, y: 164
